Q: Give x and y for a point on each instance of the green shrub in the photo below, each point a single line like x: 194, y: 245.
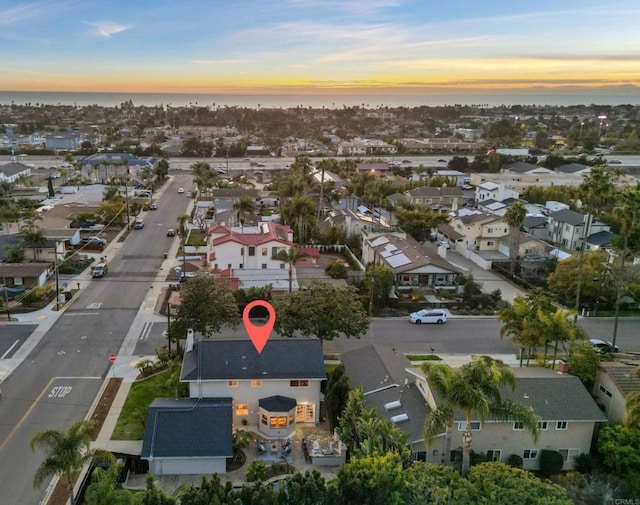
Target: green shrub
x: 256, y: 471
x: 584, y: 463
x: 515, y: 461
x: 550, y: 463
x: 336, y: 270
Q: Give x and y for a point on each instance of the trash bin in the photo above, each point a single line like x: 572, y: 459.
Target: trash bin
x: 166, y: 255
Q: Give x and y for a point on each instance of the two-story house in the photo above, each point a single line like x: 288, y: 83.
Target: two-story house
x: 567, y: 412
x: 492, y: 191
x: 567, y: 228
x: 355, y: 220
x: 231, y: 384
x: 249, y: 254
x: 613, y: 383
x: 439, y: 199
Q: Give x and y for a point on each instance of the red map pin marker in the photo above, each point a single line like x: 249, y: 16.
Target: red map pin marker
x: 259, y: 334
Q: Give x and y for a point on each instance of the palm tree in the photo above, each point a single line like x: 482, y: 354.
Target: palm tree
x: 522, y: 321
x: 301, y: 213
x: 515, y: 216
x: 243, y: 206
x: 66, y: 453
x: 291, y: 256
x: 475, y: 389
x: 557, y: 327
x: 598, y: 189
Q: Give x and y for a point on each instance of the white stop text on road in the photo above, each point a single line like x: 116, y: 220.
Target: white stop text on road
x: 60, y: 391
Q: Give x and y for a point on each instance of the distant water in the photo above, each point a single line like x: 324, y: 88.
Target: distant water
x: 562, y: 97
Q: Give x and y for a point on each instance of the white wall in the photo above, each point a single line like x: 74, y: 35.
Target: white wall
x: 187, y: 466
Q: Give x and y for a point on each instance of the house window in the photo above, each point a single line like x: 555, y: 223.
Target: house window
x: 282, y: 266
x: 252, y: 250
x: 489, y: 243
x: 274, y: 252
x: 489, y: 230
x: 242, y: 409
x: 568, y: 454
x: 605, y: 391
x: 263, y: 419
x: 530, y: 454
x: 475, y: 426
x: 264, y: 266
x: 229, y: 266
x: 292, y: 419
x: 304, y: 413
x: 18, y: 281
x: 256, y: 383
x: 265, y: 251
x: 215, y: 266
x: 494, y: 455
x: 561, y: 425
x: 542, y: 425
x: 277, y: 422
x: 518, y: 426
x: 232, y: 384
x: 299, y: 383
x: 242, y: 251
x: 240, y: 265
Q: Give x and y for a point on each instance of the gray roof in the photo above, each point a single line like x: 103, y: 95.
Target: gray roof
x: 13, y: 168
x: 534, y: 222
x: 237, y: 359
x: 435, y: 191
x: 188, y: 427
x: 624, y: 379
x: 567, y: 216
x: 571, y: 168
x: 601, y: 238
x: 277, y: 403
x: 382, y: 374
x: 520, y: 167
x: 553, y: 397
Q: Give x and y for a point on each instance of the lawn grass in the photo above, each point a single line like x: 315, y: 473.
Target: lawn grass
x: 330, y: 367
x: 423, y: 357
x: 130, y: 425
x: 196, y: 237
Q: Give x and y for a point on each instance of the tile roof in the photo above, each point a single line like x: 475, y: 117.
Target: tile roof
x: 623, y: 378
x: 188, y: 427
x: 281, y: 358
x: 263, y: 233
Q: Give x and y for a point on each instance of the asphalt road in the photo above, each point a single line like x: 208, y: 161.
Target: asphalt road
x: 58, y: 382
x: 465, y: 335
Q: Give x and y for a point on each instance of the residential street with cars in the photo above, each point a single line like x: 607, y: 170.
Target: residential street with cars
x: 51, y: 378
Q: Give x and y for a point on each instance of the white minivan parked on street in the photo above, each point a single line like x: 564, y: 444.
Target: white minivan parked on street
x: 436, y: 316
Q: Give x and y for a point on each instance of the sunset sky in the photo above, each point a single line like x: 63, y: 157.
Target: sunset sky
x: 316, y: 46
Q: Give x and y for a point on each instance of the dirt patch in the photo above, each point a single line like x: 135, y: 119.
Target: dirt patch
x: 60, y: 495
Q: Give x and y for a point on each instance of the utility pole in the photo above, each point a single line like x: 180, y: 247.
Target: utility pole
x: 581, y: 261
x: 616, y: 313
x: 55, y: 268
x: 126, y: 194
x: 169, y: 326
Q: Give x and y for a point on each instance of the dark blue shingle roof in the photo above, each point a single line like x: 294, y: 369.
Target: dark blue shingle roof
x: 188, y: 427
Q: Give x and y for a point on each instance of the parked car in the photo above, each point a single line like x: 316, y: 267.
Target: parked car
x: 171, y: 232
x: 467, y: 186
x: 442, y: 161
x: 445, y: 244
x: 603, y: 346
x: 153, y: 206
x: 139, y: 224
x: 93, y: 241
x: 100, y: 270
x: 189, y: 195
x: 436, y: 316
x: 180, y: 190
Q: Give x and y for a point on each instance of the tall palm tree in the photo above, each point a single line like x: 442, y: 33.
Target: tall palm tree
x: 515, y: 216
x: 475, y: 389
x: 243, y: 206
x: 301, y: 214
x: 291, y: 257
x: 598, y: 189
x: 557, y: 327
x: 66, y: 452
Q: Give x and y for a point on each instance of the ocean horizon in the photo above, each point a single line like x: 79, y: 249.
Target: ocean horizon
x: 560, y: 97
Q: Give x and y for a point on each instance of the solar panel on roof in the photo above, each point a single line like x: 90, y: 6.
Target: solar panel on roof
x: 379, y: 241
x: 398, y: 260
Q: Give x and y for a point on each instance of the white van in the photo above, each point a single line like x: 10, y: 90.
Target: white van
x: 100, y: 270
x: 436, y: 316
